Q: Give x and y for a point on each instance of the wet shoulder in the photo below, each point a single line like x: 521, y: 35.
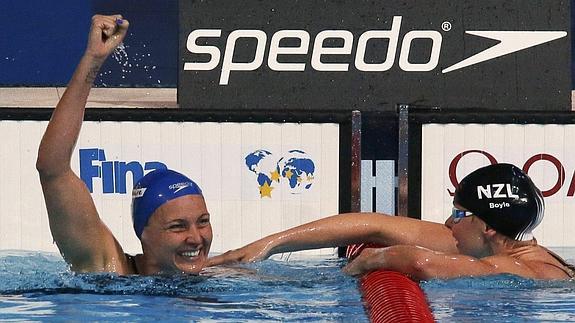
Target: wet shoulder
x: 545, y: 263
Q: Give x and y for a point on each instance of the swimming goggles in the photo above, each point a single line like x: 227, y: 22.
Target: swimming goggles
x: 458, y: 215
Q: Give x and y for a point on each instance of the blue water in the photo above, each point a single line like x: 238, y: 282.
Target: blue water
x: 39, y: 286
x: 503, y: 298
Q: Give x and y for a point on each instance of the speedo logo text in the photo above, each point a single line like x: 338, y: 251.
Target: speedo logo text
x: 508, y: 42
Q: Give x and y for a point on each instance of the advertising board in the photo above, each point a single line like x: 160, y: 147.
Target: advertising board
x: 257, y: 178
x: 366, y: 55
x: 451, y: 151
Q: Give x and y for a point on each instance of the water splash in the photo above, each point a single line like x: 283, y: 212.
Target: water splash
x: 120, y: 55
x: 129, y: 64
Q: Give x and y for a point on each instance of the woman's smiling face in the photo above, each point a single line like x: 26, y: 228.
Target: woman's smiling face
x: 178, y: 236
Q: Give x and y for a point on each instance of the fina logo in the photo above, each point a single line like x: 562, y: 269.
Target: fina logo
x: 509, y: 42
x: 113, y: 174
x: 295, y: 168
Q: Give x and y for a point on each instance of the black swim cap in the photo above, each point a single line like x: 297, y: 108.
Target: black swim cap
x: 504, y: 197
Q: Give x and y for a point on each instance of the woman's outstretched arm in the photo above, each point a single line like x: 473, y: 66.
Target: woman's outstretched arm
x: 342, y: 230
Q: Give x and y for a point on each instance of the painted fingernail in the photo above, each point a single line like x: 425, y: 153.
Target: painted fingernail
x: 119, y: 21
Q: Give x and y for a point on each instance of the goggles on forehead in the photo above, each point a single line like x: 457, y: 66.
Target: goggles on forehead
x: 457, y: 215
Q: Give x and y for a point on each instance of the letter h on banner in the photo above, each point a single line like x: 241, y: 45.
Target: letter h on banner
x: 384, y: 184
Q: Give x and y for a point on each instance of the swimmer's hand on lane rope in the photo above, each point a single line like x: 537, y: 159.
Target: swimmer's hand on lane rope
x: 255, y: 251
x: 106, y: 33
x: 363, y: 263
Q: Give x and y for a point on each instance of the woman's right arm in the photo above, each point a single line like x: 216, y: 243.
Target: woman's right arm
x: 82, y: 238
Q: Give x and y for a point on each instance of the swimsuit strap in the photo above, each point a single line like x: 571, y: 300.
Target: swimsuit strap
x: 132, y: 263
x: 568, y: 268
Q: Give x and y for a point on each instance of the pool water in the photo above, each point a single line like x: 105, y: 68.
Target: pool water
x: 503, y: 298
x: 39, y: 286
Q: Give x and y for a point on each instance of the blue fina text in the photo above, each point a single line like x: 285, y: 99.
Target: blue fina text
x: 93, y: 164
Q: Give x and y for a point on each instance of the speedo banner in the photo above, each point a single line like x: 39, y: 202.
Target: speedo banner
x: 372, y: 55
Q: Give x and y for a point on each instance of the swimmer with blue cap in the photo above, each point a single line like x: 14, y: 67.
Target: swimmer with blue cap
x: 169, y: 212
x: 172, y: 222
x: 489, y: 232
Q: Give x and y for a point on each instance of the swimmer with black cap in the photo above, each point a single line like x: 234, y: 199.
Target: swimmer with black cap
x: 489, y: 232
x: 503, y: 197
x: 170, y: 215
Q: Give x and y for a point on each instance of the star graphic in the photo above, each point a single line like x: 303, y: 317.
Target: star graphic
x: 275, y: 176
x: 288, y: 174
x: 266, y: 190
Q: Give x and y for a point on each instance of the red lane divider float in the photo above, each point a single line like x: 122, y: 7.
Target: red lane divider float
x: 390, y: 296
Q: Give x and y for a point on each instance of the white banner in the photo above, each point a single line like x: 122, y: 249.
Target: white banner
x: 257, y: 178
x: 451, y: 151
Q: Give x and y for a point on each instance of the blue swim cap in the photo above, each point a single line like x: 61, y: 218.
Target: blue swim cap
x: 155, y: 189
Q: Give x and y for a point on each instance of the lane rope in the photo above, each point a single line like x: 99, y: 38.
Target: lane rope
x: 390, y: 296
